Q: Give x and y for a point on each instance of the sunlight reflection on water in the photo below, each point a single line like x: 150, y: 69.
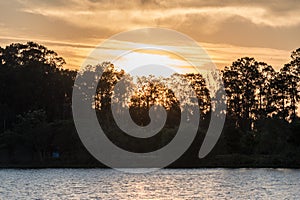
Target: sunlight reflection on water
x: 162, y: 184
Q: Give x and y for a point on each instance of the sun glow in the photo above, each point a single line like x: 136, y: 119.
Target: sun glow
x: 144, y: 58
x: 150, y: 61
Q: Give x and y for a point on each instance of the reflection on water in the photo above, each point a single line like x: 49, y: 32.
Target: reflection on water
x: 163, y: 184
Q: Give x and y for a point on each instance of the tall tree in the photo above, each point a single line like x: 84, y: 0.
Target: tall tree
x: 240, y: 82
x: 32, y: 78
x: 290, y: 76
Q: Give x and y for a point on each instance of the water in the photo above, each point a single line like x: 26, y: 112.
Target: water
x: 163, y: 184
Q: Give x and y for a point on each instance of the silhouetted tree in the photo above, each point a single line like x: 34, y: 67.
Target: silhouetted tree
x: 32, y: 78
x: 35, y: 105
x: 290, y: 77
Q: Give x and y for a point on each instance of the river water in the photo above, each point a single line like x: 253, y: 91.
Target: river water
x: 162, y: 184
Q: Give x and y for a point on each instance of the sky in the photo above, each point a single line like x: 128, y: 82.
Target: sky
x: 227, y: 30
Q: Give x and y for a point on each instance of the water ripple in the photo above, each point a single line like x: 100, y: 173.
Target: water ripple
x: 163, y: 184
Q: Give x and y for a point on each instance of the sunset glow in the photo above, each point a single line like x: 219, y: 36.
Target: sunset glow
x: 268, y: 32
x: 153, y: 61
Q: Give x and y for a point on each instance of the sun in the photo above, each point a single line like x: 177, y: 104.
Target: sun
x: 145, y: 59
x: 152, y: 61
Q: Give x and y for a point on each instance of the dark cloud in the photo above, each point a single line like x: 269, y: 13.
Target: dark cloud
x: 234, y: 30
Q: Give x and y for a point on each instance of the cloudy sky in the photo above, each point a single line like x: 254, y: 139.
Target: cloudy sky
x: 266, y: 30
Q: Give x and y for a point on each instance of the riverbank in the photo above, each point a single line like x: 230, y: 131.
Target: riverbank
x: 218, y: 161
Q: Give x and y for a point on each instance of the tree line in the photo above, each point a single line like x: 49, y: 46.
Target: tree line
x: 36, y: 117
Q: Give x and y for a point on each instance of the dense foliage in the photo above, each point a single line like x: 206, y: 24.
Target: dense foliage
x: 262, y: 127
